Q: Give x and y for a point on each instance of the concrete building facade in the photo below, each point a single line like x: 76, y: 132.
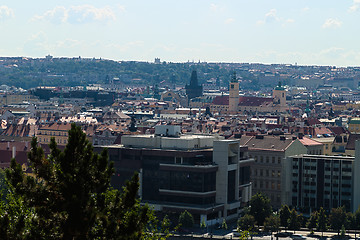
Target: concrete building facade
x: 206, y: 175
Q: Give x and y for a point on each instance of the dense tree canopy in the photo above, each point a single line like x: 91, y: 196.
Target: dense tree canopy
x: 260, y: 208
x: 69, y: 196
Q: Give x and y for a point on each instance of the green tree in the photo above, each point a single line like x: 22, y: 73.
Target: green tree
x: 70, y: 196
x: 224, y: 224
x: 311, y: 223
x: 322, y: 221
x: 186, y: 219
x: 337, y: 219
x: 294, y: 220
x: 246, y: 223
x: 356, y: 220
x: 284, y: 216
x: 272, y: 223
x: 260, y: 208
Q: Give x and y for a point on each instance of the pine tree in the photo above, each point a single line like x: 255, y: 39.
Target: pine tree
x: 70, y: 196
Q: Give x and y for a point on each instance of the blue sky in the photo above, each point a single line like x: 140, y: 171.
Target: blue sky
x: 316, y: 32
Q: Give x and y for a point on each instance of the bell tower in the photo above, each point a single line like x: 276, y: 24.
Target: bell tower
x: 234, y: 94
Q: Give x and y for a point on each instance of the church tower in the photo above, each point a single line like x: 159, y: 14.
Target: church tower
x: 234, y: 94
x: 279, y: 96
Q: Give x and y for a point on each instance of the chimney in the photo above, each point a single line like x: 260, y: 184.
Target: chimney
x: 13, y: 152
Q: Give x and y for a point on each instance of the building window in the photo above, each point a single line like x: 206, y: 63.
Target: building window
x: 273, y: 159
x: 279, y: 160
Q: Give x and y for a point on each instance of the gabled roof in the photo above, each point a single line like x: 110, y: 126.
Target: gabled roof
x: 339, y: 130
x: 351, y: 141
x: 221, y: 100
x: 243, y: 101
x: 269, y: 143
x: 309, y: 142
x: 254, y: 101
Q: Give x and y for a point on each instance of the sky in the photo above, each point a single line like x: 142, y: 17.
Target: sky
x: 306, y: 32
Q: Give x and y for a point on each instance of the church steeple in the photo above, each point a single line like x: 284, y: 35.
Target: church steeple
x: 193, y: 90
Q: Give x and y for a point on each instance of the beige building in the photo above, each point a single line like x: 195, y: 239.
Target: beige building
x: 270, y: 153
x: 57, y: 130
x: 327, y: 144
x: 354, y: 125
x: 233, y: 103
x: 7, y: 99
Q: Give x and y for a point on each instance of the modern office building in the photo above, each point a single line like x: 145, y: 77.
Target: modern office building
x: 204, y: 174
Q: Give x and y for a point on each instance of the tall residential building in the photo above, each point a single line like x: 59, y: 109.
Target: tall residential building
x: 314, y: 181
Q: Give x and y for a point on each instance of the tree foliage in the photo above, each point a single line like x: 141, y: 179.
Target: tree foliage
x: 294, y: 221
x: 260, y: 208
x: 337, y: 219
x: 272, y: 223
x: 246, y: 223
x: 284, y: 215
x: 312, y: 221
x: 70, y: 196
x: 321, y: 224
x: 186, y: 219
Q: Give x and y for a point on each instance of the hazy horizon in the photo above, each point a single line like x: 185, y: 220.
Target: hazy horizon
x: 308, y: 33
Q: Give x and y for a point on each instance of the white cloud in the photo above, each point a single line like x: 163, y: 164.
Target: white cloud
x: 216, y: 8
x: 355, y: 6
x: 6, y: 12
x: 271, y: 16
x: 56, y: 15
x: 229, y: 20
x: 305, y: 9
x: 288, y: 22
x: 332, y: 23
x: 78, y: 14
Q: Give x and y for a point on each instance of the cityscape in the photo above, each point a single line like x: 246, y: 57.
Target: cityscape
x: 156, y: 120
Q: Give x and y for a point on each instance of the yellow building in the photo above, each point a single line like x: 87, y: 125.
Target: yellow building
x: 354, y: 125
x: 7, y: 99
x: 57, y: 130
x: 327, y: 144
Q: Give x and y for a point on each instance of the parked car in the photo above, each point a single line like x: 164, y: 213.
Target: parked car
x: 236, y: 233
x: 298, y: 237
x: 283, y: 234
